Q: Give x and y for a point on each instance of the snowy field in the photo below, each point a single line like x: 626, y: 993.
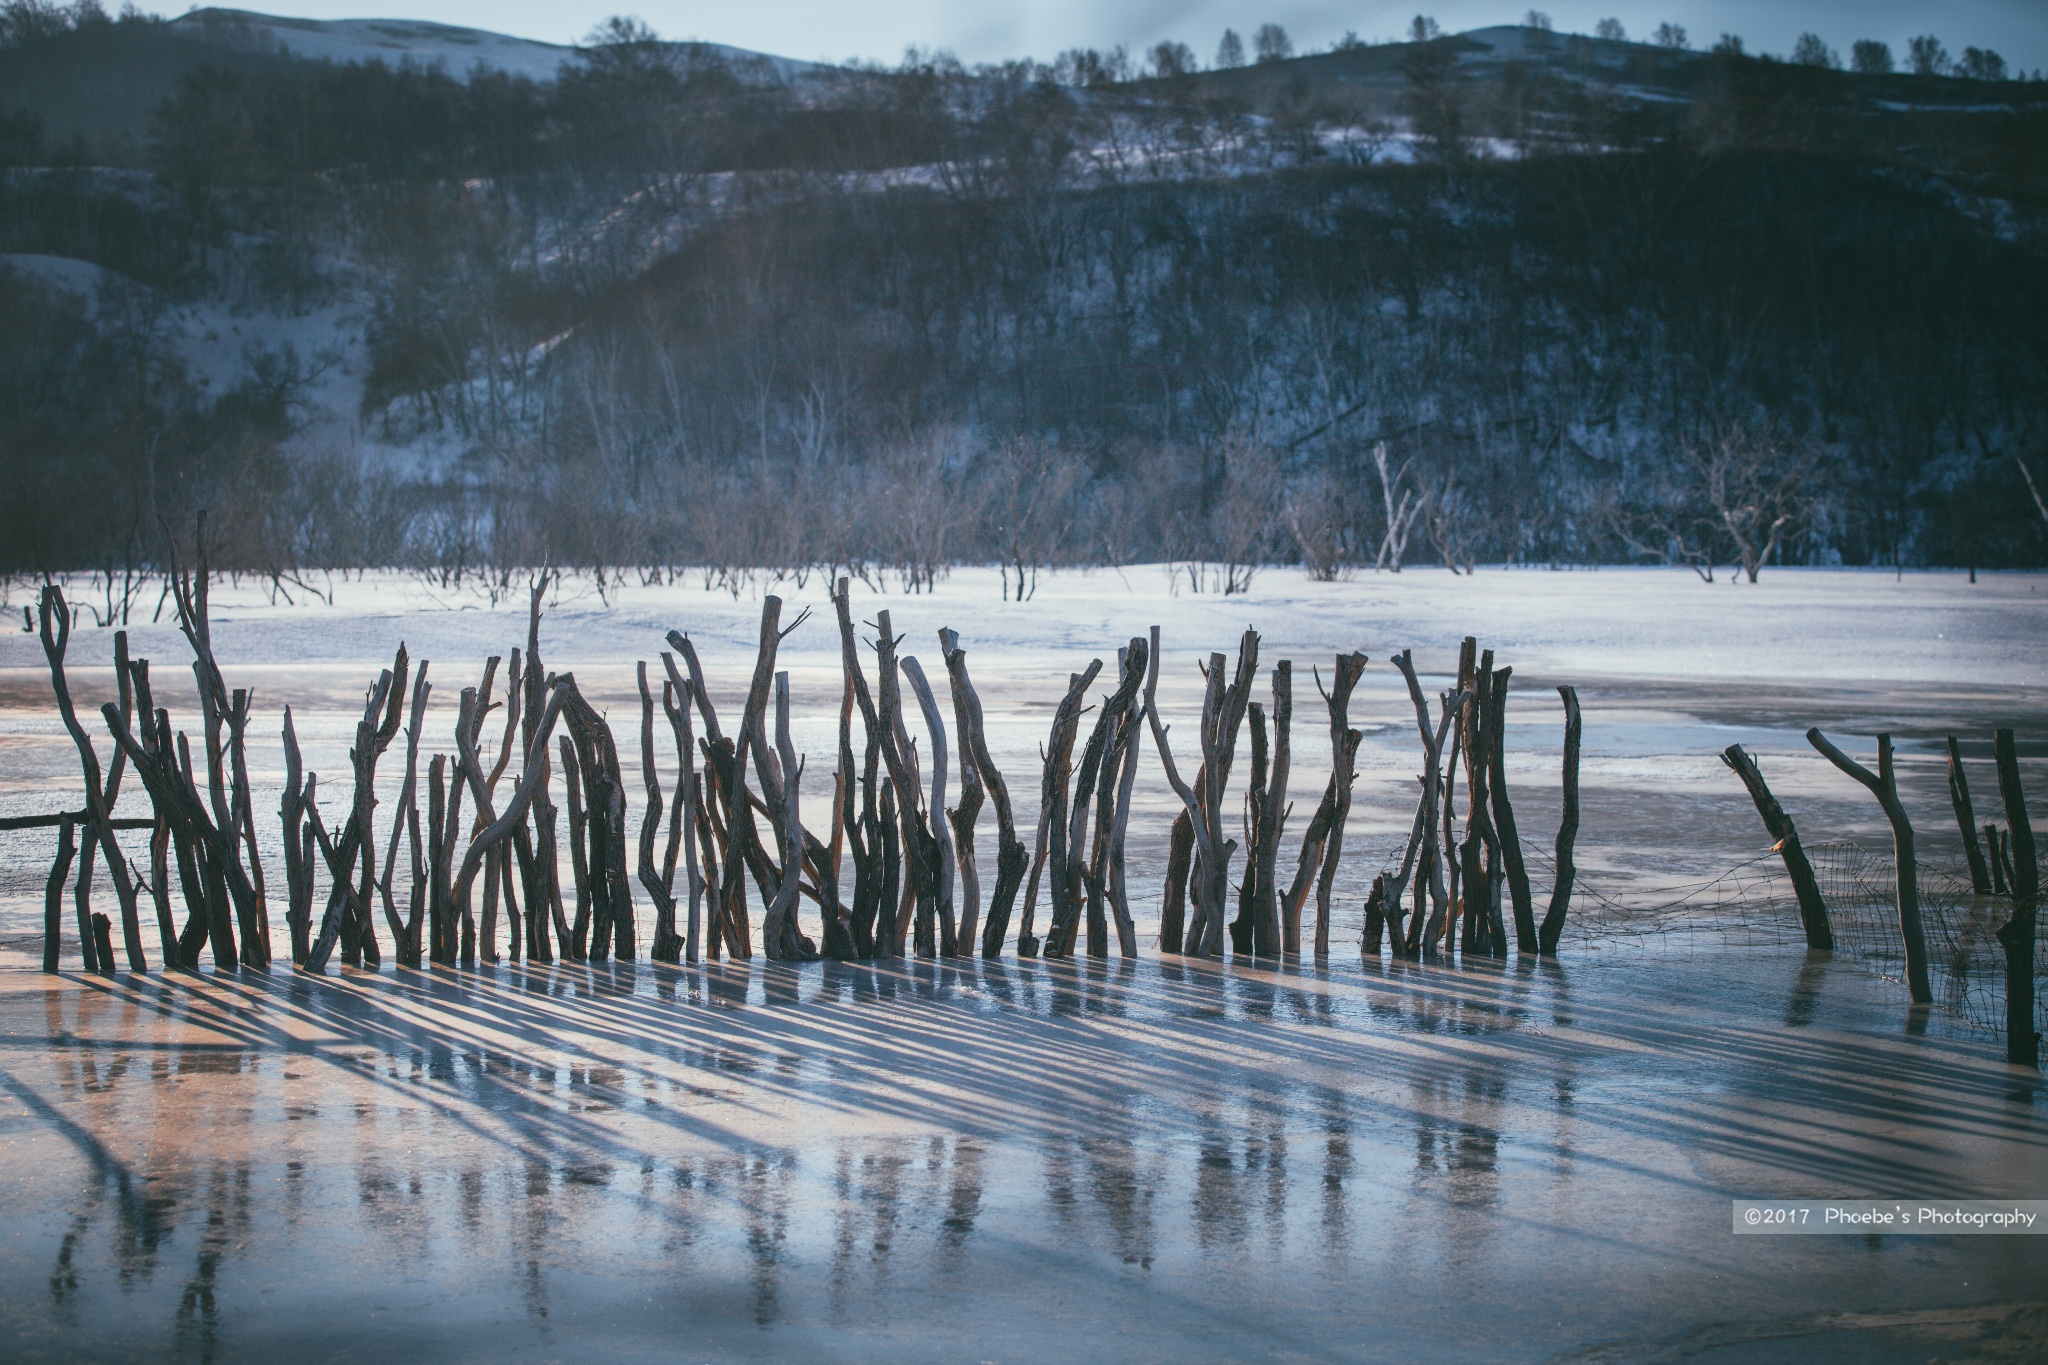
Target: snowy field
x: 1671, y: 671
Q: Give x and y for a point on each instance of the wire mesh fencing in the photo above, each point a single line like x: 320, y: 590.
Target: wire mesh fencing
x: 1753, y: 905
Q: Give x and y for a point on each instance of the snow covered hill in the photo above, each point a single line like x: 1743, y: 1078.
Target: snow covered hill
x: 458, y: 50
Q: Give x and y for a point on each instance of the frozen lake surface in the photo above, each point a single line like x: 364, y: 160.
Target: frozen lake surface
x: 1002, y: 1161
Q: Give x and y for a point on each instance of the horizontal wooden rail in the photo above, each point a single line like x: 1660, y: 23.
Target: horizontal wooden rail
x: 76, y: 817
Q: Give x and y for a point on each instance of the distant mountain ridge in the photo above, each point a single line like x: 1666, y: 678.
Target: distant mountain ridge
x: 458, y: 50
x: 101, y: 82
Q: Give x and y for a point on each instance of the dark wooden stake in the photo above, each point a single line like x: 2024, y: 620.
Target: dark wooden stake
x: 941, y: 846
x: 1813, y: 911
x: 99, y: 828
x: 1966, y: 819
x: 1884, y: 785
x: 1552, y: 927
x: 1057, y: 764
x: 1426, y: 931
x: 2016, y: 935
x: 1344, y: 742
x: 53, y: 901
x: 1504, y: 830
x: 1011, y: 858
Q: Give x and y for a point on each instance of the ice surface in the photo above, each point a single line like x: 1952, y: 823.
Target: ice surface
x: 1005, y: 1162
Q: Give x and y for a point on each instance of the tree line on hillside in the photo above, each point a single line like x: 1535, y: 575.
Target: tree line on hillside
x: 911, y: 318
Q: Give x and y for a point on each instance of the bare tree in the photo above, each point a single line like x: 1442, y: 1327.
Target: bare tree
x: 2032, y: 487
x: 1030, y: 490
x: 1758, y: 489
x: 1248, y: 512
x: 1400, y: 515
x: 1453, y: 523
x: 1317, y: 517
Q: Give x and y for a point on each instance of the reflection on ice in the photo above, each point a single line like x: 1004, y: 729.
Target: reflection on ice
x: 935, y: 1156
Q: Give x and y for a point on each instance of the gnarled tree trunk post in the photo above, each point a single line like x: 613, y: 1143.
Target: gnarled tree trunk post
x: 1344, y: 742
x: 917, y: 909
x: 1425, y: 932
x: 668, y: 944
x: 1884, y: 785
x: 1966, y: 819
x: 1269, y: 929
x: 53, y: 903
x: 404, y: 932
x: 941, y: 837
x: 1504, y: 830
x: 863, y: 823
x: 1813, y: 911
x: 1552, y: 928
x: 2016, y: 935
x: 1057, y: 761
x: 99, y: 825
x: 972, y: 795
x: 1011, y: 858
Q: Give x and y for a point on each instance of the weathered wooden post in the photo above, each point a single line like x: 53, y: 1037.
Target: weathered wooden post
x: 1223, y: 708
x: 780, y: 936
x: 941, y: 837
x: 347, y: 918
x: 1813, y: 911
x: 1058, y: 758
x: 1112, y: 880
x: 2016, y: 935
x: 668, y: 944
x: 1481, y: 850
x: 218, y: 711
x: 1966, y: 819
x: 1323, y: 846
x: 404, y: 932
x: 686, y: 814
x: 98, y: 833
x: 1102, y: 768
x: 1425, y: 932
x: 1884, y: 785
x: 963, y: 816
x: 872, y: 851
x: 1011, y: 858
x: 604, y: 815
x: 1274, y: 926
x: 917, y: 908
x: 53, y: 902
x: 1552, y: 928
x: 1510, y: 839
x: 492, y: 836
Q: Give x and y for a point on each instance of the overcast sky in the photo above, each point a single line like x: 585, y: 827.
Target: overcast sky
x: 992, y: 30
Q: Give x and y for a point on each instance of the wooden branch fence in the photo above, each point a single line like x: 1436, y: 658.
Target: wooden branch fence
x: 891, y: 868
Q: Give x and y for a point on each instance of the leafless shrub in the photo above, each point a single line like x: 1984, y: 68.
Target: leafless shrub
x: 1029, y: 504
x: 1452, y: 518
x: 1319, y: 515
x: 1247, y: 515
